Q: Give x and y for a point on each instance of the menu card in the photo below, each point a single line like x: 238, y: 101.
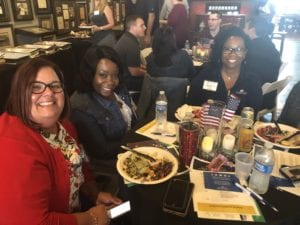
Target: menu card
x: 216, y: 197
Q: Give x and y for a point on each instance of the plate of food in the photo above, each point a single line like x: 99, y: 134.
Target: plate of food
x: 137, y: 169
x: 188, y: 112
x: 289, y: 138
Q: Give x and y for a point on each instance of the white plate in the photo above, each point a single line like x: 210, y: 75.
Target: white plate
x: 180, y: 113
x: 85, y: 27
x: 156, y: 153
x: 283, y: 127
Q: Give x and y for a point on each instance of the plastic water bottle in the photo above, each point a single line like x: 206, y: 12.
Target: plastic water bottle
x: 161, y: 112
x: 187, y: 45
x: 263, y: 166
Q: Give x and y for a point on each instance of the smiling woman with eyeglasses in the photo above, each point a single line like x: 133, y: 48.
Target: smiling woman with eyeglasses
x: 43, y: 167
x: 226, y: 75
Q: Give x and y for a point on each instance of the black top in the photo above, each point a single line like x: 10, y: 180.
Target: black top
x: 128, y: 49
x: 291, y: 111
x: 182, y: 66
x: 263, y: 59
x: 246, y: 88
x: 144, y: 7
x: 99, y: 20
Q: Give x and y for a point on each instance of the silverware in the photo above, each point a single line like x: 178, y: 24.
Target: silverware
x: 163, y: 134
x: 278, y: 127
x: 151, y: 159
x: 292, y: 135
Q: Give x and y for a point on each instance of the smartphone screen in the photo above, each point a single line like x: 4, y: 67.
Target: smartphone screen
x: 177, y: 197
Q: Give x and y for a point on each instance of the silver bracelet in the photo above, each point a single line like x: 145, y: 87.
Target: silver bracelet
x: 94, y: 217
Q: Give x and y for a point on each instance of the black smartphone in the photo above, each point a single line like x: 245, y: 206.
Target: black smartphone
x: 178, y: 197
x: 292, y: 173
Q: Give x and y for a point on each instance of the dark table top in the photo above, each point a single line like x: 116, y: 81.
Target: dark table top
x: 146, y: 203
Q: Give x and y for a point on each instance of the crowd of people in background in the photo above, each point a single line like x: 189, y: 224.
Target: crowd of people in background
x: 53, y: 149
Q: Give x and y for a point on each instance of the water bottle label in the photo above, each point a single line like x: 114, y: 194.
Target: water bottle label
x: 161, y: 107
x: 267, y: 169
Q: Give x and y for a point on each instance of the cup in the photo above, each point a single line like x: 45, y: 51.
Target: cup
x: 243, y: 165
x: 246, y: 133
x: 188, y: 140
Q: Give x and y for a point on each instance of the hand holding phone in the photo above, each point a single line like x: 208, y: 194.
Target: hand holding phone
x: 119, y: 210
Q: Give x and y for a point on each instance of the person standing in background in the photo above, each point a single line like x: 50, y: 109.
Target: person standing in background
x: 213, y: 26
x: 128, y: 48
x: 102, y: 20
x: 167, y: 8
x: 263, y: 59
x: 149, y: 11
x: 178, y: 20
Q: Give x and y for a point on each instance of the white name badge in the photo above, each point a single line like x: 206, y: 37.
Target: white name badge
x: 210, y: 85
x: 96, y: 12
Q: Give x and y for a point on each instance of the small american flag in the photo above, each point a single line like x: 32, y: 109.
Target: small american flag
x: 211, y: 114
x: 232, y: 104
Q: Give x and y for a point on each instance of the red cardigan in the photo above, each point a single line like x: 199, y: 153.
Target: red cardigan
x: 34, y: 178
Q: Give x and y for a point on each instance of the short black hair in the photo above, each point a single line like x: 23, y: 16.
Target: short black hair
x: 164, y: 45
x: 216, y: 12
x: 130, y: 20
x: 89, y: 64
x: 222, y: 37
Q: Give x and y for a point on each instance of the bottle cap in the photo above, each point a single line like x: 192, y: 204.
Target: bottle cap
x: 268, y: 145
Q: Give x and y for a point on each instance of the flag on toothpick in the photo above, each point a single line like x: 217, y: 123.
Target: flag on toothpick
x: 232, y: 104
x: 211, y: 114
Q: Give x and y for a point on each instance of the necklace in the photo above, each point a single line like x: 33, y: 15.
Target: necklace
x: 229, y: 78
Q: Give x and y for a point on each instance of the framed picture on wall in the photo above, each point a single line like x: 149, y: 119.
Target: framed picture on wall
x: 4, y: 13
x: 46, y: 22
x: 42, y: 6
x: 6, y: 36
x: 22, y: 9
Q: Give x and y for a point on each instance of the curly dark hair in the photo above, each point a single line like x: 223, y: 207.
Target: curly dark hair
x: 19, y: 100
x: 89, y: 64
x: 164, y: 45
x: 222, y: 37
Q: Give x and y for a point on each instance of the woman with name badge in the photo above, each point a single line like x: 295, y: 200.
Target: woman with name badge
x: 225, y: 75
x: 102, y: 20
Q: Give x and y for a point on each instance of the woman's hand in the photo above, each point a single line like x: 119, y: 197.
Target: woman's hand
x: 107, y: 200
x: 98, y: 215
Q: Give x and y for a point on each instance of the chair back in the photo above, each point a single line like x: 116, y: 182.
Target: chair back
x: 267, y: 88
x: 175, y: 90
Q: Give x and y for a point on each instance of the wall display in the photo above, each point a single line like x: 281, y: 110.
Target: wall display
x: 22, y: 9
x: 6, y: 36
x: 42, y: 6
x: 64, y: 14
x: 81, y: 12
x: 4, y: 13
x: 46, y: 22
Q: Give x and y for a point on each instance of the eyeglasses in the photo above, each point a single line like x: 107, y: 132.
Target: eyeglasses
x: 213, y: 19
x: 237, y: 51
x: 38, y: 87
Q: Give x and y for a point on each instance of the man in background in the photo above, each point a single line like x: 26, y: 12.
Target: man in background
x: 128, y: 48
x: 149, y: 11
x: 213, y: 26
x: 263, y: 59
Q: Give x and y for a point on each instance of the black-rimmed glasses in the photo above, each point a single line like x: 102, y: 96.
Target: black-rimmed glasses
x: 238, y: 51
x: 38, y: 87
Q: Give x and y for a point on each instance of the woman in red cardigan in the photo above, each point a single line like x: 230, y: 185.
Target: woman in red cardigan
x: 42, y: 166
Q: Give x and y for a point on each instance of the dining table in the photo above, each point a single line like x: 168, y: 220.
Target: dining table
x: 147, y: 202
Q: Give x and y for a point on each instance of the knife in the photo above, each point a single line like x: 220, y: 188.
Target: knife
x: 151, y: 159
x: 292, y: 135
